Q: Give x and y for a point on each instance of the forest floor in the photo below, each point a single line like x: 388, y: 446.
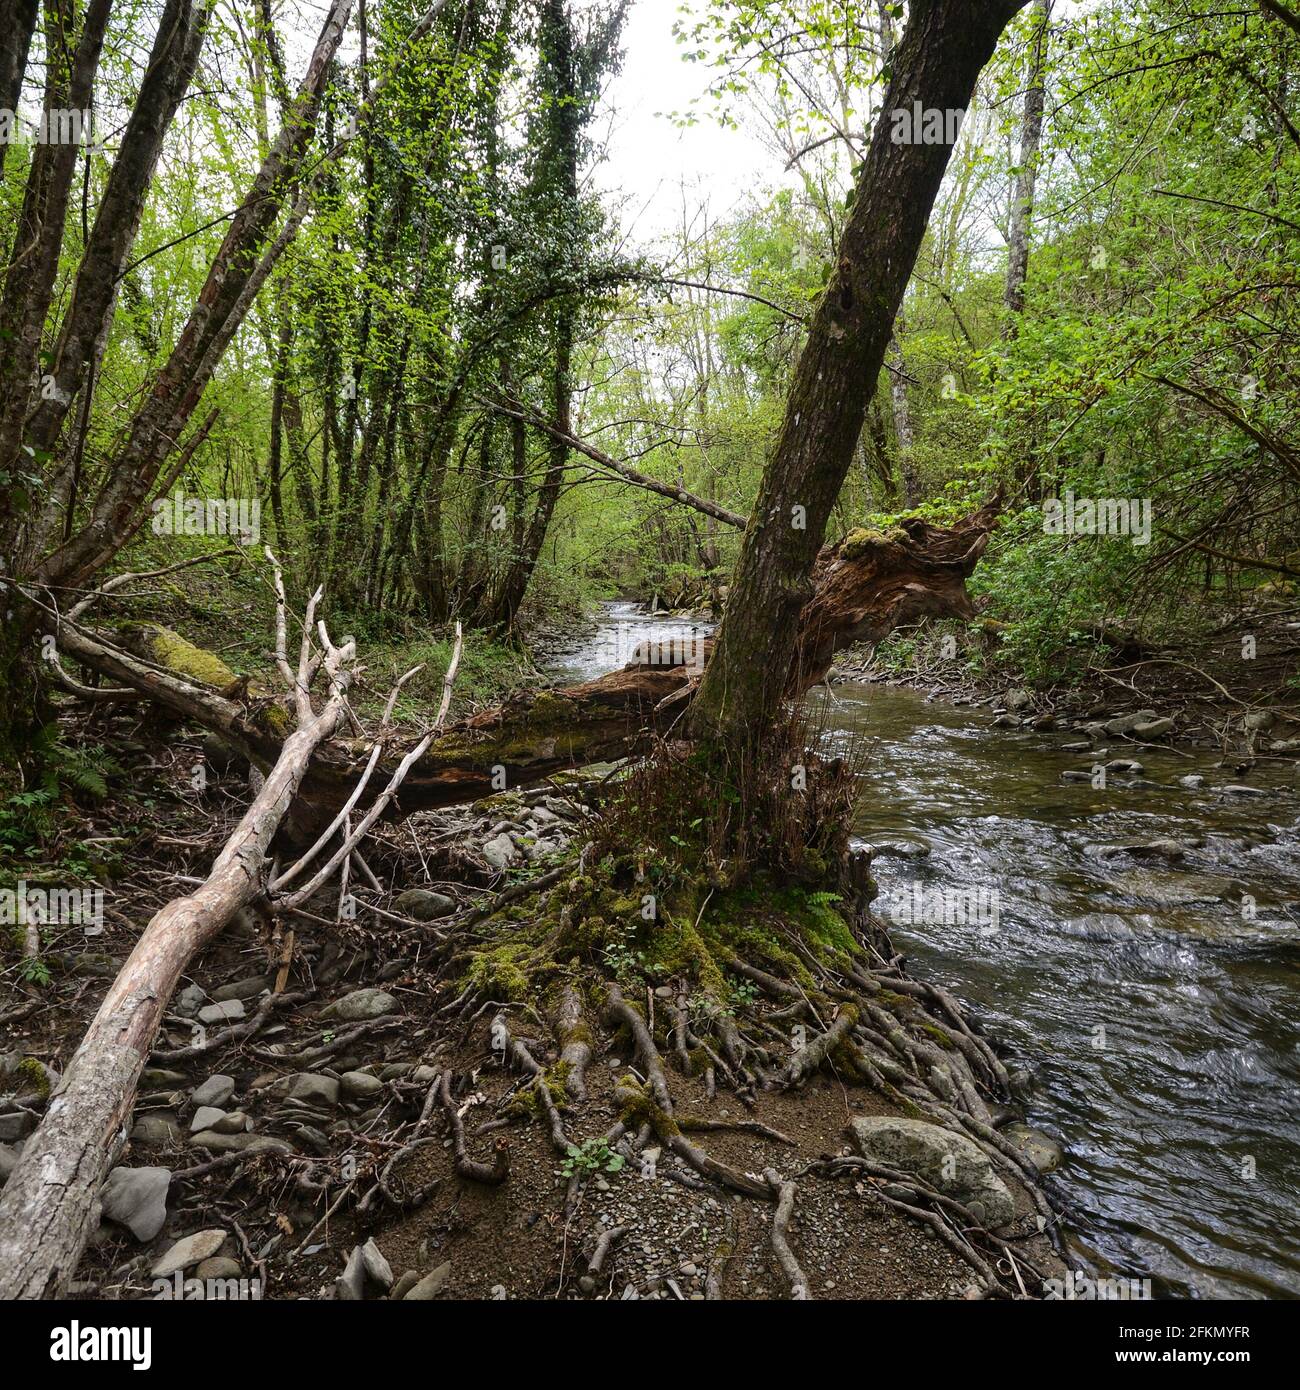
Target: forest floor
x: 319, y: 1046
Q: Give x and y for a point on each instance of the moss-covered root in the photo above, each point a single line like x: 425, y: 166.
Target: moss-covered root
x: 575, y: 1042
x: 811, y: 1056
x: 653, y: 1105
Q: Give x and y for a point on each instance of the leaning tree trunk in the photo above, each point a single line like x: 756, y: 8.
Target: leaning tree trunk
x: 936, y: 65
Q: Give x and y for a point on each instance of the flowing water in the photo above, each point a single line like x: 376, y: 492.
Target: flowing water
x: 1157, y: 1003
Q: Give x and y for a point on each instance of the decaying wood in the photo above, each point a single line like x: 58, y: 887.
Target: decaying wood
x: 48, y: 1205
x: 864, y: 587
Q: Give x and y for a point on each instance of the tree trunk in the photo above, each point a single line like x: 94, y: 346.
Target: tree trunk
x: 936, y: 65
x: 17, y: 25
x: 1031, y: 134
x: 34, y: 259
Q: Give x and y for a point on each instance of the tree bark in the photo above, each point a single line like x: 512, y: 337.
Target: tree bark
x: 1031, y: 135
x: 34, y: 259
x: 17, y: 25
x: 936, y: 64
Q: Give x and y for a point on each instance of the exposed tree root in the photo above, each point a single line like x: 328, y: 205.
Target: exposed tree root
x: 785, y: 1196
x: 490, y: 1174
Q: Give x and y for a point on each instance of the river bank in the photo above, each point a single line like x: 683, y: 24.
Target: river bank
x: 1143, y: 964
x: 1120, y: 978
x: 292, y: 1133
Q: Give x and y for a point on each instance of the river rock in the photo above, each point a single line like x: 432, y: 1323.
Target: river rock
x: 430, y: 1286
x: 216, y: 1090
x: 1284, y: 745
x: 310, y: 1087
x: 1237, y: 789
x: 500, y: 852
x: 243, y: 989
x: 219, y: 1267
x: 361, y: 1004
x: 422, y: 905
x: 228, y: 1011
x: 240, y: 1143
x: 351, y: 1284
x: 1127, y: 723
x: 206, y: 1117
x: 1040, y: 1149
x: 17, y: 1125
x: 1192, y: 781
x: 1125, y: 765
x: 947, y: 1161
x: 1259, y: 720
x: 137, y: 1199
x: 160, y: 1077
x: 1154, y: 728
x: 376, y: 1266
x: 9, y: 1156
x: 189, y: 1001
x: 188, y: 1251
x: 1017, y: 699
x: 152, y: 1131
x: 359, y: 1085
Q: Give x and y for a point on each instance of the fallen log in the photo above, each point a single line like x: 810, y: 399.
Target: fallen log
x: 864, y: 587
x: 47, y: 1209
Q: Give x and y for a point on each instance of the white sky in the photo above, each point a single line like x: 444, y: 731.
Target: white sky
x: 649, y: 156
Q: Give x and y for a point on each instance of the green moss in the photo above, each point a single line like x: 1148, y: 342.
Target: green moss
x: 502, y: 971
x: 858, y: 542
x: 637, y: 1107
x: 170, y: 649
x: 29, y: 1077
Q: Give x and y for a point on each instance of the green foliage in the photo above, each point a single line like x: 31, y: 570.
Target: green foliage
x: 29, y: 818
x: 591, y: 1157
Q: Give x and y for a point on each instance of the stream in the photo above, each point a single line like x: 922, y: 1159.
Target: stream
x: 1156, y: 1003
